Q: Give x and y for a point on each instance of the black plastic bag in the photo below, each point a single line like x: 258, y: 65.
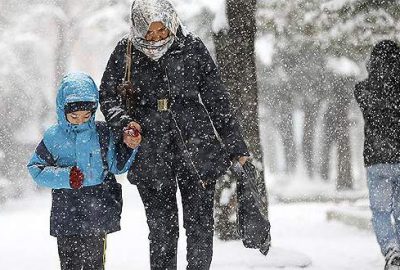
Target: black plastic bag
x: 252, y: 211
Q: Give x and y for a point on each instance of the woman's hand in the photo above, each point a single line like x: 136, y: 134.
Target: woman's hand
x: 132, y: 135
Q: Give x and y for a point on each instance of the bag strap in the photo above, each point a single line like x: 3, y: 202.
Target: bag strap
x: 128, y: 61
x: 104, y: 140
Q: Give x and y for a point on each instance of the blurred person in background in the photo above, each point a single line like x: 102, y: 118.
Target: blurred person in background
x: 379, y: 99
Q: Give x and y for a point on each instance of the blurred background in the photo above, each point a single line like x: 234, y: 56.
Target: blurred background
x: 290, y: 67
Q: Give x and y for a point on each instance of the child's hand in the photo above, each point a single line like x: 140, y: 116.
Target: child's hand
x: 132, y: 136
x: 76, y: 178
x: 243, y: 159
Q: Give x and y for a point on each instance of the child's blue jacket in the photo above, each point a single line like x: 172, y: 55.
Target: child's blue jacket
x: 96, y: 207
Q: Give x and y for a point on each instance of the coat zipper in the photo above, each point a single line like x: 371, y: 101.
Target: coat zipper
x: 90, y: 166
x: 186, y: 153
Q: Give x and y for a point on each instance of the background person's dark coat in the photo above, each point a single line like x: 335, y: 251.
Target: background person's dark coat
x: 379, y: 99
x: 198, y: 99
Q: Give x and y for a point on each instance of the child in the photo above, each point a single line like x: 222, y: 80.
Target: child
x: 379, y: 99
x: 78, y: 158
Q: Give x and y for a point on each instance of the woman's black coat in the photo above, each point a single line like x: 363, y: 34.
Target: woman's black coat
x: 187, y: 76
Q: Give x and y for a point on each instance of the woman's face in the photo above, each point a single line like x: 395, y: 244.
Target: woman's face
x: 157, y: 31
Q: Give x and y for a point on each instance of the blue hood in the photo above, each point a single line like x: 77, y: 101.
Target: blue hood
x: 76, y: 87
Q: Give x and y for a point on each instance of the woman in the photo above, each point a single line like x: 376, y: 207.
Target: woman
x: 379, y: 99
x: 178, y: 101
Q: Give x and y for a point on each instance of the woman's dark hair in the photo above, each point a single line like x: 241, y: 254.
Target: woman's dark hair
x: 385, y: 56
x: 384, y: 67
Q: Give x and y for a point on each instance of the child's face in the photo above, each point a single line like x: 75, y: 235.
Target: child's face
x: 79, y: 117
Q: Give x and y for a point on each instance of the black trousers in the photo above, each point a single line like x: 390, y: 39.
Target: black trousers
x: 82, y: 252
x: 162, y: 219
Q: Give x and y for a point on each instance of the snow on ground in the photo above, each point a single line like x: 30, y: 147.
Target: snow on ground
x: 26, y: 244
x: 300, y: 188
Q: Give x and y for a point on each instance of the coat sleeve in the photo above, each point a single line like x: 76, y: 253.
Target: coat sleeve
x: 364, y: 98
x: 44, y: 171
x: 216, y: 100
x: 110, y: 104
x: 119, y: 156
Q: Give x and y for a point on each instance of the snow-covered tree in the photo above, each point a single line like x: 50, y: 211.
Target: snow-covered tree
x: 351, y: 27
x: 38, y: 43
x: 235, y: 49
x: 301, y: 60
x: 22, y: 88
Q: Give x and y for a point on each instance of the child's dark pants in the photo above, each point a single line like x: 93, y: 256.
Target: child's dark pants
x: 82, y: 252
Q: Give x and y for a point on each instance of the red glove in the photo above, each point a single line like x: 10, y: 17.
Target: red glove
x: 76, y: 178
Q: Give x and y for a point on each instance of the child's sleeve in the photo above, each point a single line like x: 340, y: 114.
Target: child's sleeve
x: 44, y: 170
x: 120, y: 157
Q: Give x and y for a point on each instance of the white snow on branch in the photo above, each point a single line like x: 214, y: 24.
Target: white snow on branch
x: 190, y: 8
x: 335, y: 5
x: 265, y: 48
x: 40, y: 11
x: 220, y: 20
x: 343, y: 66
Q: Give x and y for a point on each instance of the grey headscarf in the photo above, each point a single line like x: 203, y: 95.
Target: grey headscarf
x: 143, y: 13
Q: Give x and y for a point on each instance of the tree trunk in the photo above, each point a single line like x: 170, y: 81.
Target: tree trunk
x: 337, y: 133
x: 61, y: 50
x: 6, y: 145
x: 286, y: 130
x: 345, y: 178
x: 225, y: 224
x: 236, y: 59
x: 310, y: 116
x: 329, y: 140
x: 270, y: 135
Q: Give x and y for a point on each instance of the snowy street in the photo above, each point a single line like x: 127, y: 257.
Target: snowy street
x: 26, y: 243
